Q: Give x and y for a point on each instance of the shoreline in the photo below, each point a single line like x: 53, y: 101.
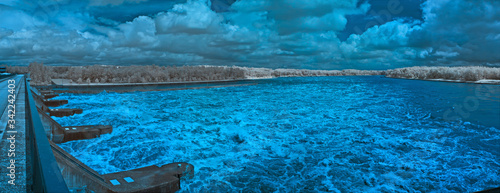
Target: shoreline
x: 483, y: 81
x: 66, y: 86
x: 60, y: 83
x: 102, y: 75
x: 132, y: 87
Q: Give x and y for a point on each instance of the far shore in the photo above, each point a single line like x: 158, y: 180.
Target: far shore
x: 483, y: 81
x: 66, y: 82
x: 92, y: 88
x: 106, y: 75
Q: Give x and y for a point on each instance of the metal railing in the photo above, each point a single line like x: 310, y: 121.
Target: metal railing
x: 46, y: 176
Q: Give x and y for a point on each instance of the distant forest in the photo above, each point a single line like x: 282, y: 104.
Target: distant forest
x: 43, y: 74
x: 270, y: 73
x: 466, y: 73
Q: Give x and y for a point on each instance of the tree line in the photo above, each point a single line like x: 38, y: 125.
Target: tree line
x: 466, y: 73
x: 43, y: 74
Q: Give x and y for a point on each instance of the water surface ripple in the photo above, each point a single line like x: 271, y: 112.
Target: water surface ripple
x: 315, y: 134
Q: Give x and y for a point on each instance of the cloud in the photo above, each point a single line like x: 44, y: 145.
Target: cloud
x: 190, y: 33
x: 305, y: 16
x: 193, y: 17
x: 5, y: 32
x: 260, y: 33
x: 463, y: 30
x: 221, y: 5
x: 391, y: 35
x: 459, y: 32
x: 22, y: 19
x: 141, y: 32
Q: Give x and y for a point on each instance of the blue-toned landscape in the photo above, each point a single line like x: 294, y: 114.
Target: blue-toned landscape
x: 250, y: 96
x: 303, y: 134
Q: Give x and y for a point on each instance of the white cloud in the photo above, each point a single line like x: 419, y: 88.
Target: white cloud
x: 452, y: 33
x: 391, y: 35
x: 141, y: 32
x: 190, y: 32
x: 268, y: 33
x: 193, y: 17
x: 461, y: 29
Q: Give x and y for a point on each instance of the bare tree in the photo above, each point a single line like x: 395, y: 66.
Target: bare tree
x: 469, y: 73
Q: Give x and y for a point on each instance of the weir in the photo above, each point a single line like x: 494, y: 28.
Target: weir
x: 54, y: 89
x: 48, y: 168
x: 60, y: 134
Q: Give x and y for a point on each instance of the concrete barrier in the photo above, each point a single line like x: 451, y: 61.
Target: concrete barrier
x: 59, y: 134
x: 54, y: 103
x: 151, y: 179
x: 64, y: 112
x: 49, y: 96
x: 72, y: 133
x: 79, y: 176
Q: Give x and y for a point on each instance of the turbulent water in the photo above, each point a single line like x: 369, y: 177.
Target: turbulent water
x: 314, y: 134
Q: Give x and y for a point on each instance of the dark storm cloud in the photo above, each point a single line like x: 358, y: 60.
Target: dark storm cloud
x: 270, y: 33
x: 452, y: 33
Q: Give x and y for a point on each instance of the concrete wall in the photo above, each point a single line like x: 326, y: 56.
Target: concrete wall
x: 77, y: 175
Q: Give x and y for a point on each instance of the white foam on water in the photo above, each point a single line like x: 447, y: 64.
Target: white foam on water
x: 322, y: 134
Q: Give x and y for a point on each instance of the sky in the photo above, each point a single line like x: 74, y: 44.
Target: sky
x: 304, y: 34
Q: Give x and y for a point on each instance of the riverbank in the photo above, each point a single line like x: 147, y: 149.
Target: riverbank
x: 63, y: 86
x: 66, y: 82
x: 484, y: 81
x: 464, y: 74
x: 98, y: 75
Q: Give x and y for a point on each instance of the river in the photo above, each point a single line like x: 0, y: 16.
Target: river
x: 303, y: 134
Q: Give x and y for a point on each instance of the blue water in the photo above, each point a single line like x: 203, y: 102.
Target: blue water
x: 314, y: 134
